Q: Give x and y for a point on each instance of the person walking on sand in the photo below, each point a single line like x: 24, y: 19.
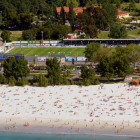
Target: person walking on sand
x: 78, y: 130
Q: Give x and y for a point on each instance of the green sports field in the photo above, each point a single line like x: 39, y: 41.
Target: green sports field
x: 45, y: 51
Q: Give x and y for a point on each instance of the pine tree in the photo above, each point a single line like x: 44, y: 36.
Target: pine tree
x: 62, y: 15
x: 71, y: 16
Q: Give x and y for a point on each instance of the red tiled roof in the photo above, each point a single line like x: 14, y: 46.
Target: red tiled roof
x: 77, y: 10
x: 80, y: 10
x: 77, y: 30
x: 121, y: 12
x: 66, y: 9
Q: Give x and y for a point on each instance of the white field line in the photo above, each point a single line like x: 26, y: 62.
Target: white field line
x: 9, y: 50
x: 72, y: 51
x: 31, y: 52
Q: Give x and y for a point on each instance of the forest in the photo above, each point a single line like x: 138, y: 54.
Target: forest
x: 42, y: 6
x: 19, y: 15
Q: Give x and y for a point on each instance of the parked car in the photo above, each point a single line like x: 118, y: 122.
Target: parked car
x: 31, y: 68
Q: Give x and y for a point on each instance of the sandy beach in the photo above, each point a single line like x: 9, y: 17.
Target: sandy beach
x: 111, y: 109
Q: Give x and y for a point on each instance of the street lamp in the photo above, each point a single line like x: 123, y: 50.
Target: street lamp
x: 42, y: 37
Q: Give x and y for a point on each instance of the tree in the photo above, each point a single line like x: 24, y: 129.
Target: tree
x: 46, y: 33
x: 118, y: 4
x: 43, y: 82
x: 9, y: 67
x: 54, y: 11
x: 22, y: 82
x: 91, y: 51
x: 91, y: 30
x: 103, y: 51
x: 1, y: 78
x: 12, y: 81
x: 133, y: 53
x: 122, y: 66
x: 73, y: 2
x: 62, y: 15
x: 132, y: 5
x: 10, y: 20
x: 24, y: 21
x: 72, y: 61
x: 120, y: 52
x: 5, y: 35
x: 15, y: 68
x: 28, y: 34
x: 118, y: 31
x: 84, y: 20
x: 105, y: 67
x: 34, y: 6
x: 88, y: 75
x: 21, y: 68
x: 71, y: 16
x: 54, y: 72
x: 60, y: 31
x: 112, y: 10
x: 101, y: 17
x: 42, y: 7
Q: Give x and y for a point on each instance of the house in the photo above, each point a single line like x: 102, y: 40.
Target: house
x: 122, y: 14
x: 71, y: 36
x: 80, y: 32
x: 77, y: 10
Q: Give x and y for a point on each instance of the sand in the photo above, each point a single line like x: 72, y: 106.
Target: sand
x: 111, y: 109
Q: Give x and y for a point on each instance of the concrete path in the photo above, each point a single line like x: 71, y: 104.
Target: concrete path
x: 133, y: 36
x: 75, y: 77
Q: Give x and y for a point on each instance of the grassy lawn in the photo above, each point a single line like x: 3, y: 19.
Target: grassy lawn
x: 103, y: 35
x: 123, y: 5
x: 45, y: 51
x: 16, y: 35
x: 134, y: 32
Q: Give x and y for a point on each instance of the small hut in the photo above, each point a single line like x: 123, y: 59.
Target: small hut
x: 135, y: 82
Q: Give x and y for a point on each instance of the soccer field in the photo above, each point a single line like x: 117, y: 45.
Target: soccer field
x: 45, y: 51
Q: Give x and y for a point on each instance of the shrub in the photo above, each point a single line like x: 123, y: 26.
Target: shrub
x: 1, y: 78
x: 86, y: 82
x: 43, y: 82
x: 4, y: 80
x: 31, y: 65
x: 22, y: 82
x: 65, y: 81
x: 72, y: 82
x: 96, y: 82
x: 31, y: 81
x: 12, y: 81
x: 80, y: 83
x: 35, y: 79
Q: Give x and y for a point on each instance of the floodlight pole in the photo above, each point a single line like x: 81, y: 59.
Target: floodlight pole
x: 42, y: 37
x: 20, y: 46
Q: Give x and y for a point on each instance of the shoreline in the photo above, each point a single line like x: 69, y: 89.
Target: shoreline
x: 47, y: 128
